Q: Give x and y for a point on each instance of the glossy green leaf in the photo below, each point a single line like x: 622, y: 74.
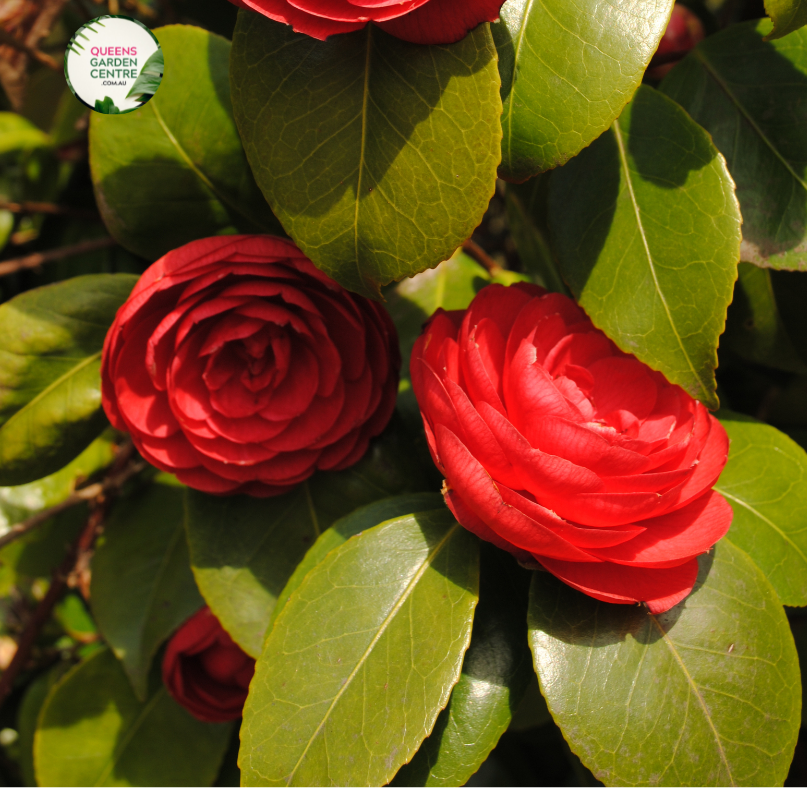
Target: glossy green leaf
x: 378, y: 156
x: 244, y: 550
x: 568, y: 69
x: 787, y: 16
x: 142, y: 585
x: 174, y: 169
x: 754, y: 326
x: 528, y: 214
x: 765, y: 482
x: 706, y: 694
x: 363, y: 657
x: 50, y: 384
x: 94, y: 732
x: 361, y: 519
x: 748, y: 94
x: 495, y: 674
x: 646, y: 229
x: 150, y: 77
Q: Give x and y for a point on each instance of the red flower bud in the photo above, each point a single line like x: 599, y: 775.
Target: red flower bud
x: 562, y: 449
x: 425, y: 22
x: 241, y: 368
x: 205, y: 671
x: 683, y: 32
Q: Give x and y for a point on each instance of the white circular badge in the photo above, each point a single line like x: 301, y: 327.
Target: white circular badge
x: 113, y: 64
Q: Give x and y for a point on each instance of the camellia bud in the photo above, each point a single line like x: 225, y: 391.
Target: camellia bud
x: 684, y: 31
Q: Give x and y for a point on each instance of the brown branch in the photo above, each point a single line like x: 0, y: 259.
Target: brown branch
x: 36, y: 259
x: 9, y: 39
x: 481, y: 257
x: 47, y: 208
x: 122, y: 469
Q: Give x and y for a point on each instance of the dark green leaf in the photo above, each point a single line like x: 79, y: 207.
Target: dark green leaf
x: 142, y: 585
x: 568, y: 69
x: 706, y: 694
x: 765, y: 482
x: 94, y: 732
x: 748, y: 94
x: 379, y: 157
x: 106, y: 106
x: 363, y: 657
x: 495, y: 674
x: 148, y: 82
x: 50, y: 383
x: 787, y: 16
x: 754, y: 326
x: 174, y: 170
x: 647, y: 234
x: 527, y: 212
x: 244, y: 550
x: 358, y: 521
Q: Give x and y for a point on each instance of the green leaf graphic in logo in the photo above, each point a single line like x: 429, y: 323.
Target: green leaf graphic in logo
x: 107, y: 106
x: 148, y: 82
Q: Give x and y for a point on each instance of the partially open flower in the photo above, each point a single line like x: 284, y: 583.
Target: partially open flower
x: 241, y: 368
x: 560, y: 448
x: 205, y: 671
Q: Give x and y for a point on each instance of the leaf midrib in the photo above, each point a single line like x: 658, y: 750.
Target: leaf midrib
x: 696, y: 691
x: 511, y: 97
x: 404, y: 596
x: 623, y: 158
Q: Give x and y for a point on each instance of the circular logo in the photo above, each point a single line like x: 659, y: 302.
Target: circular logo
x: 113, y: 64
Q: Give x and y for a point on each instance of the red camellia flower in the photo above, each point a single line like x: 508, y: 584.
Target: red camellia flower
x: 425, y: 22
x: 241, y: 368
x: 558, y: 447
x: 205, y: 671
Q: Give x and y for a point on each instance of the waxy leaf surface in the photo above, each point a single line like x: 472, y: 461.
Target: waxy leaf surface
x: 765, y: 482
x: 142, y: 585
x: 243, y: 550
x: 94, y: 732
x: 706, y: 694
x: 787, y: 16
x: 749, y: 95
x: 378, y: 156
x: 174, y: 170
x: 568, y: 69
x: 50, y: 382
x: 646, y: 229
x: 495, y: 674
x: 363, y: 657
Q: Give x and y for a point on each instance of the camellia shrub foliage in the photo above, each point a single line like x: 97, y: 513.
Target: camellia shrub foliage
x: 409, y: 393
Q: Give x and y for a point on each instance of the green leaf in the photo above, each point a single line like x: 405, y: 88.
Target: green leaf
x: 244, y: 550
x: 142, y: 585
x: 568, y: 69
x: 528, y: 212
x: 174, y: 169
x: 765, y: 482
x: 787, y: 16
x: 151, y: 76
x: 363, y: 658
x: 106, y: 106
x: 646, y: 229
x: 495, y: 674
x: 361, y: 519
x: 707, y: 693
x: 94, y: 732
x: 754, y: 326
x: 18, y: 134
x: 748, y: 94
x: 378, y: 156
x: 50, y: 384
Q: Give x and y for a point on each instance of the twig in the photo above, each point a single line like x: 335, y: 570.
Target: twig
x: 36, y: 259
x: 48, y: 209
x: 9, y: 39
x: 481, y: 257
x: 122, y: 469
x: 110, y: 485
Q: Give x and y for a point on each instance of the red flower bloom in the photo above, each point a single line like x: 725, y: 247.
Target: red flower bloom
x: 241, y: 368
x: 557, y: 446
x: 205, y: 671
x: 425, y: 22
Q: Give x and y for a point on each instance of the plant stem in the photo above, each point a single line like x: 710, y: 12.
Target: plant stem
x: 9, y: 39
x: 481, y: 257
x: 48, y: 209
x: 36, y: 259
